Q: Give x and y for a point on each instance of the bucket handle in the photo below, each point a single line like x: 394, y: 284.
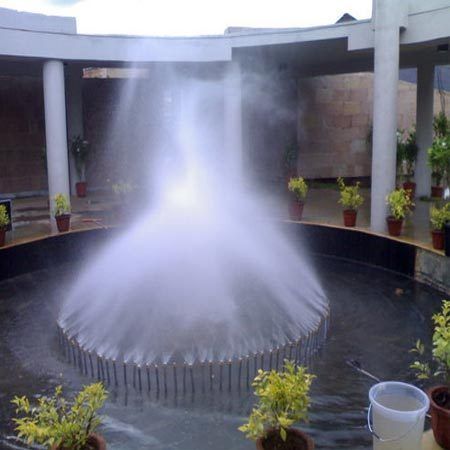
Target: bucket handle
x: 375, y: 435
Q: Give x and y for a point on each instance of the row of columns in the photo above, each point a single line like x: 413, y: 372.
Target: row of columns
x: 387, y: 28
x: 386, y: 70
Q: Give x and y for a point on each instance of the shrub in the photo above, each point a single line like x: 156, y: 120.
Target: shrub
x: 441, y: 125
x: 399, y: 203
x: 55, y: 421
x: 439, y: 216
x: 350, y: 196
x: 406, y: 153
x: 283, y: 400
x: 439, y: 159
x: 4, y: 218
x: 298, y: 187
x: 62, y: 205
x: 441, y: 348
x: 80, y: 151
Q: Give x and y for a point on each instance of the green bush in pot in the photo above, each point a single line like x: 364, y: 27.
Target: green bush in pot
x: 351, y: 200
x: 57, y: 423
x: 4, y: 222
x: 439, y: 369
x: 400, y: 204
x: 439, y: 162
x: 283, y: 399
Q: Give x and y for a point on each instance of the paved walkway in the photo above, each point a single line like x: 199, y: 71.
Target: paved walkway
x: 31, y: 216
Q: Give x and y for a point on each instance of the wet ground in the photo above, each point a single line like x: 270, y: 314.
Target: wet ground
x: 376, y: 316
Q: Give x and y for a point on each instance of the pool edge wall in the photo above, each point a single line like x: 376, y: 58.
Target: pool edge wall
x: 426, y: 266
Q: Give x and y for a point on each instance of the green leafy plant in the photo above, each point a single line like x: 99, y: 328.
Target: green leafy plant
x: 62, y: 205
x: 350, y: 196
x: 56, y: 421
x: 439, y: 159
x: 440, y: 364
x: 399, y: 203
x: 298, y: 187
x: 4, y: 218
x: 406, y: 153
x: 283, y: 400
x: 80, y: 151
x: 441, y: 125
x: 439, y: 215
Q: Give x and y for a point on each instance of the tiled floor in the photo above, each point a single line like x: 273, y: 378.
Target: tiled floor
x: 31, y: 216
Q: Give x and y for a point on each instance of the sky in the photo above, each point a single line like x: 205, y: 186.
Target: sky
x: 192, y: 17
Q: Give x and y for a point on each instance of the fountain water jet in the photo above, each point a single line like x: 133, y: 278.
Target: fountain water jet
x: 200, y: 277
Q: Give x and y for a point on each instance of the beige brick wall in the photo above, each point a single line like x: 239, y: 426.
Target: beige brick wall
x: 335, y: 116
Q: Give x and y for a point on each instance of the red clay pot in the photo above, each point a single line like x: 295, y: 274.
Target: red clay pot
x: 437, y: 191
x: 410, y: 187
x: 296, y: 440
x: 437, y: 237
x: 95, y: 442
x: 394, y: 226
x: 440, y: 414
x: 81, y: 188
x: 296, y: 210
x: 63, y: 222
x: 349, y: 217
x: 2, y: 236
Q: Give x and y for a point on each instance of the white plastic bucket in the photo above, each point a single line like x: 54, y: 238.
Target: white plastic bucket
x: 398, y: 413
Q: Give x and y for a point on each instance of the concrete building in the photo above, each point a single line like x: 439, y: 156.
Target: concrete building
x: 40, y: 51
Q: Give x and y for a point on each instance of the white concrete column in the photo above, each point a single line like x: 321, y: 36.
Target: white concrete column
x: 55, y: 131
x: 385, y: 92
x: 424, y: 126
x: 74, y: 101
x: 233, y: 118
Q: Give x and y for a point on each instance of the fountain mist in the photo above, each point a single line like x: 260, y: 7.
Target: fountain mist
x: 200, y: 279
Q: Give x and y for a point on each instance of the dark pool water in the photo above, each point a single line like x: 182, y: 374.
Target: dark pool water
x: 376, y: 316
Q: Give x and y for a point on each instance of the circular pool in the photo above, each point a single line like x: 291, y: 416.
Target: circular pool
x: 376, y: 316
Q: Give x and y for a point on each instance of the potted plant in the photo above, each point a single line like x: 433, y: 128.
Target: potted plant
x: 299, y: 189
x: 439, y: 216
x: 351, y: 200
x: 62, y: 212
x: 80, y: 151
x: 283, y: 400
x: 439, y: 369
x: 400, y: 204
x: 4, y: 222
x: 59, y: 424
x: 439, y: 162
x: 440, y: 125
x: 406, y: 159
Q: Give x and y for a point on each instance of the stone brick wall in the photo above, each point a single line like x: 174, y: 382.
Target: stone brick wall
x: 335, y: 118
x: 22, y: 135
x: 332, y: 119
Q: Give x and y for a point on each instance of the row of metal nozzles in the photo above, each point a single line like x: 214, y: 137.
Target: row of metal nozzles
x: 183, y: 377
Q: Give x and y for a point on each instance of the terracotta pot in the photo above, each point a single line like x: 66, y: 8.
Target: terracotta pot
x: 63, y: 222
x: 394, y: 226
x: 2, y: 236
x: 95, y: 442
x: 437, y: 191
x: 296, y: 440
x: 81, y: 187
x: 296, y: 209
x: 410, y: 187
x: 437, y: 237
x: 349, y: 217
x: 440, y: 414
